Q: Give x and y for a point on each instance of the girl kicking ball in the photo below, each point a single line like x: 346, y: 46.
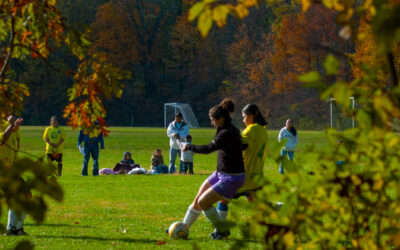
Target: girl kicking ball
x: 229, y: 176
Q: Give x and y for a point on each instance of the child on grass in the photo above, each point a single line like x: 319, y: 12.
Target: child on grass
x: 157, y: 163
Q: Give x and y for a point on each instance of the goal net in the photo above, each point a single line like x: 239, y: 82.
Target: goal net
x: 339, y: 120
x: 170, y: 109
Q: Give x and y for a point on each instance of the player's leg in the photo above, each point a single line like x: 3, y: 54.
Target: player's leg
x: 172, y: 157
x: 190, y: 164
x: 59, y: 164
x: 181, y: 163
x: 283, y: 154
x: 222, y: 209
x: 290, y: 155
x: 95, y: 156
x: 206, y: 201
x: 86, y: 157
x: 194, y: 210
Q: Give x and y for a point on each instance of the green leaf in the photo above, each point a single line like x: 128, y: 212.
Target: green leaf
x: 391, y: 230
x: 310, y: 77
x: 196, y: 10
x: 331, y: 65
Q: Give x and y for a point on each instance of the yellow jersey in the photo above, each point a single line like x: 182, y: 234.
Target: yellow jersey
x: 256, y: 138
x: 8, y: 151
x: 55, y: 135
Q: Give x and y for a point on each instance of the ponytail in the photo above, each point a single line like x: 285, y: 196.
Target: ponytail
x: 252, y: 109
x: 223, y: 110
x: 228, y: 104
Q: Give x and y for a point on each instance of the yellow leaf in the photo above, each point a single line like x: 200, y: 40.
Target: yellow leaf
x: 378, y: 184
x: 328, y: 3
x: 204, y: 23
x: 220, y: 14
x: 355, y: 180
x: 305, y: 5
x: 393, y: 142
x: 288, y: 238
x: 249, y: 3
x: 196, y: 10
x: 241, y: 11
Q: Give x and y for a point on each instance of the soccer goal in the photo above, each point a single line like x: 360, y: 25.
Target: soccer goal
x: 338, y: 119
x: 170, y: 109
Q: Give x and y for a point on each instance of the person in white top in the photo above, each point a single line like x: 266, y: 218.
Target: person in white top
x: 288, y: 133
x: 186, y: 156
x: 177, y: 130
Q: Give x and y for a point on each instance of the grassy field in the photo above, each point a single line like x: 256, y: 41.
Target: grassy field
x: 129, y: 212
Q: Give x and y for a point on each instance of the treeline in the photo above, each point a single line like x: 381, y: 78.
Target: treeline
x: 256, y: 60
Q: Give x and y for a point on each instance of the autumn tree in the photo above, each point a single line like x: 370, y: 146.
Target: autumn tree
x: 32, y: 29
x: 350, y: 200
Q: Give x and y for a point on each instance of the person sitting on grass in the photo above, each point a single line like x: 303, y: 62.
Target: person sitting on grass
x: 126, y: 164
x: 157, y: 163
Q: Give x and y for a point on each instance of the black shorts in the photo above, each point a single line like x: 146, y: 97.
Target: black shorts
x: 55, y: 157
x: 246, y: 193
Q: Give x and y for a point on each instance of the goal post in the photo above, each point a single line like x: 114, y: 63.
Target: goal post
x: 170, y: 109
x: 333, y: 107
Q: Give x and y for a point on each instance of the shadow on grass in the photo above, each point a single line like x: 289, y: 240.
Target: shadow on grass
x: 129, y: 240
x: 58, y: 225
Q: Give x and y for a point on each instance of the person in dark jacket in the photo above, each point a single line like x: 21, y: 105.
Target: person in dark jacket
x: 91, y: 147
x: 230, y: 174
x: 126, y: 164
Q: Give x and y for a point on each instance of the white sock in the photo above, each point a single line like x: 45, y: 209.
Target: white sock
x: 20, y: 222
x: 212, y: 216
x: 12, y: 220
x: 191, y: 216
x: 222, y: 210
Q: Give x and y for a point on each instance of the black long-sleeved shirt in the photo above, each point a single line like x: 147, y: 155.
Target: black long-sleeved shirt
x: 229, y: 145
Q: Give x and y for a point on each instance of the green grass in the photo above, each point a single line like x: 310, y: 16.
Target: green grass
x: 96, y: 210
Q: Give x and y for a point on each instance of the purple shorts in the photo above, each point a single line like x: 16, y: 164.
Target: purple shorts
x: 226, y: 184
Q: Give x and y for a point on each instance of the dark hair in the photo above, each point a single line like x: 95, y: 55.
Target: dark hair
x: 252, y: 109
x: 53, y: 117
x: 179, y: 114
x: 228, y: 104
x: 222, y: 110
x: 292, y: 129
x: 188, y: 138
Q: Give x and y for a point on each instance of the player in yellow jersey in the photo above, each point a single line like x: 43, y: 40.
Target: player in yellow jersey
x: 255, y: 144
x: 9, y: 146
x: 54, y: 137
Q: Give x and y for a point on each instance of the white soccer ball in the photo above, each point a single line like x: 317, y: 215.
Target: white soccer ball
x: 178, y: 230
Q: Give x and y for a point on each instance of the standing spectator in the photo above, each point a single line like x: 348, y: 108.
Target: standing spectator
x: 177, y: 130
x: 8, y: 152
x: 186, y: 156
x: 288, y: 133
x: 90, y: 147
x: 54, y: 136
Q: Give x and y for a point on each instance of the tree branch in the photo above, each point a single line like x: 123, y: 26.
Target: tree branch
x: 393, y: 74
x: 43, y: 58
x: 9, y: 53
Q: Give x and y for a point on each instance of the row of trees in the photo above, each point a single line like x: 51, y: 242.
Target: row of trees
x: 256, y: 60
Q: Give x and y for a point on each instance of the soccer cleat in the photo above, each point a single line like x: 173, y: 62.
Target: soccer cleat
x: 220, y: 235
x: 21, y: 232
x: 167, y: 231
x: 11, y: 232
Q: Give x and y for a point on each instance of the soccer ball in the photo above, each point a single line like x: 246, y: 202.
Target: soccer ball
x: 178, y: 230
